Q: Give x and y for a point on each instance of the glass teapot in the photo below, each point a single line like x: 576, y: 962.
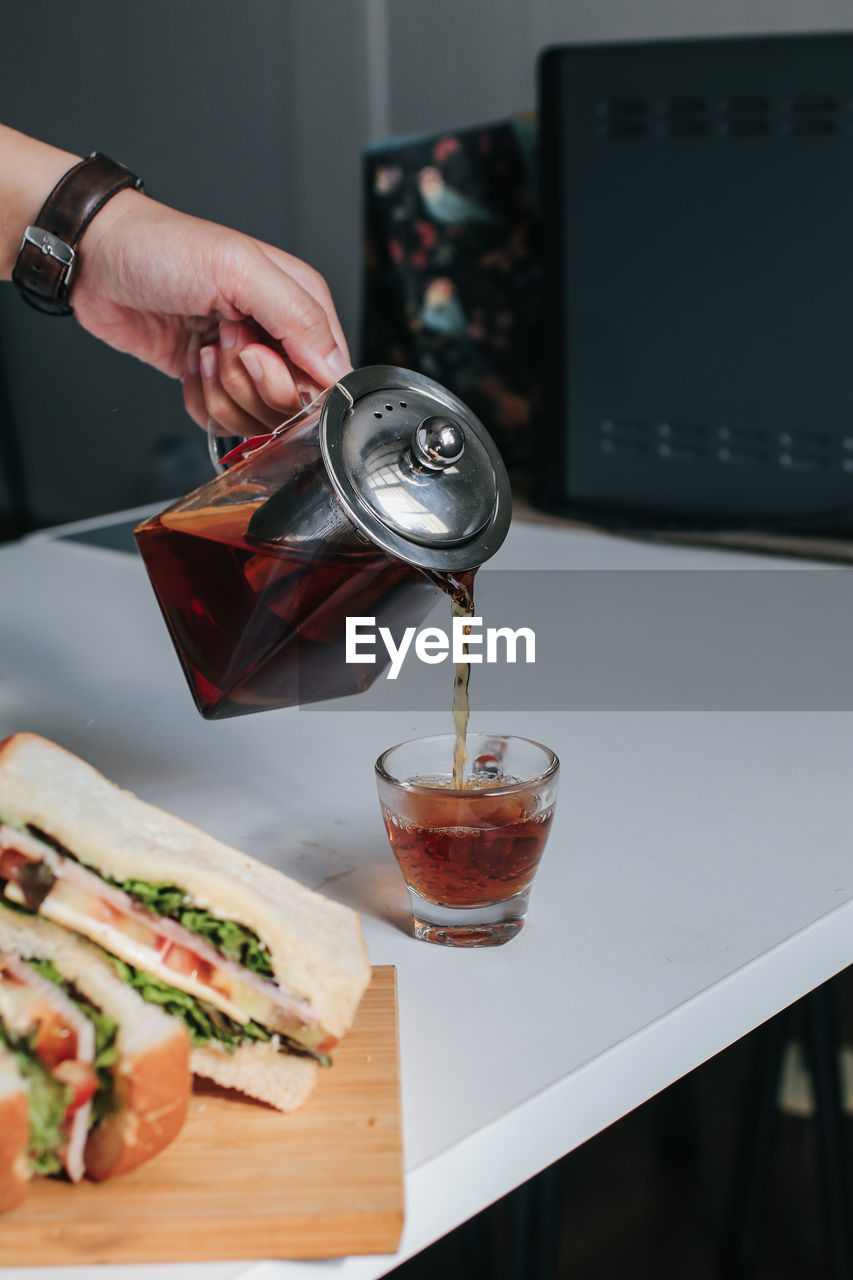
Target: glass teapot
x: 383, y: 492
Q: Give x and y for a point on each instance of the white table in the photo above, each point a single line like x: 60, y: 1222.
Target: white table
x: 699, y: 875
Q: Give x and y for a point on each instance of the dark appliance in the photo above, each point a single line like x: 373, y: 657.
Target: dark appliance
x: 698, y: 250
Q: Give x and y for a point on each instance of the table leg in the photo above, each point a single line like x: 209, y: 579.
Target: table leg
x: 534, y: 1228
x: 822, y: 1046
x: 755, y: 1141
x: 18, y: 519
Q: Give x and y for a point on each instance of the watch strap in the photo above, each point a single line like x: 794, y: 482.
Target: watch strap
x: 45, y: 267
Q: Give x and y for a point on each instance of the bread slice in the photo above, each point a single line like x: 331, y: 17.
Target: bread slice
x: 316, y: 946
x: 14, y: 1133
x: 152, y: 1075
x: 258, y: 1070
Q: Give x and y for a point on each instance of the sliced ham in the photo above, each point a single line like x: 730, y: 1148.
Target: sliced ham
x: 21, y: 841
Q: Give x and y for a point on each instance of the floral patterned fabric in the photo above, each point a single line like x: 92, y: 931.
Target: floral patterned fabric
x: 453, y: 275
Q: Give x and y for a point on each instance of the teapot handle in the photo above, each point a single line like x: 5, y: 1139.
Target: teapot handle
x: 221, y: 448
x: 226, y: 450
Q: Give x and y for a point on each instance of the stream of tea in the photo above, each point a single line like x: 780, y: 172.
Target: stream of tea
x: 477, y: 850
x: 461, y: 608
x: 460, y: 588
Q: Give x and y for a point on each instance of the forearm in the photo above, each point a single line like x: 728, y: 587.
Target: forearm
x: 29, y: 171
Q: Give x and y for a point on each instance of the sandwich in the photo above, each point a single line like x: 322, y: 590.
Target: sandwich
x: 266, y: 974
x: 95, y: 1080
x: 14, y: 1130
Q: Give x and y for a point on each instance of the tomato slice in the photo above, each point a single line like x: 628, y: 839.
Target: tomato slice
x: 81, y: 1078
x: 185, y: 962
x: 55, y: 1041
x: 10, y: 862
x: 163, y: 946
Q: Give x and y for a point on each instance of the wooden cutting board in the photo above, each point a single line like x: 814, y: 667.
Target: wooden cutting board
x: 245, y: 1181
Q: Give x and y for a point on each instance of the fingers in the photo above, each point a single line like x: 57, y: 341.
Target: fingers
x: 289, y: 312
x: 206, y: 399
x: 242, y: 398
x: 268, y: 394
x: 274, y: 381
x: 219, y: 404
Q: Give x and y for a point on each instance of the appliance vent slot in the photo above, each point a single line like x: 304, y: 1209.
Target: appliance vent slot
x: 622, y: 118
x: 847, y: 460
x: 809, y: 115
x: 743, y: 115
x: 729, y: 446
x: 743, y: 446
x: 679, y: 442
x: 682, y: 118
x: 621, y: 436
x: 805, y: 450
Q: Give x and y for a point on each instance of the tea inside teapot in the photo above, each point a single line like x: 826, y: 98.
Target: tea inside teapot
x: 348, y: 511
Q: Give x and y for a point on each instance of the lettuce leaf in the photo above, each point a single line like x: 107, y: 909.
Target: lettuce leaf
x: 234, y: 941
x: 204, y: 1021
x: 48, y: 1101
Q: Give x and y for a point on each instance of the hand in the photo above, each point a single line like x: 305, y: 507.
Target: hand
x: 248, y: 328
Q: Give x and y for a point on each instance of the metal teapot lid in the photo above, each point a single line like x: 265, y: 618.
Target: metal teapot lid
x: 414, y: 469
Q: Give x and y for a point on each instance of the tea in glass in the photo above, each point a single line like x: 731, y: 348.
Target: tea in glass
x: 468, y: 852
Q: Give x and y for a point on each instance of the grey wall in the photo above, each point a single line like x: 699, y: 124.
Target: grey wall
x: 173, y: 91
x: 255, y: 114
x: 458, y: 62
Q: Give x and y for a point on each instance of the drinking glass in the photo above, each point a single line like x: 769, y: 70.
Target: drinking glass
x: 468, y: 854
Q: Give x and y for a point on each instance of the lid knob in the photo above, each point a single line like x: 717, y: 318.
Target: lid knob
x: 414, y: 469
x: 438, y: 443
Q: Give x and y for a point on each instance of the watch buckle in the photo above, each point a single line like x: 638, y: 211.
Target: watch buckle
x: 52, y: 246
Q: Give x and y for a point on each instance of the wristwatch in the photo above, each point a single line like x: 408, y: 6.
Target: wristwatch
x: 45, y: 266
